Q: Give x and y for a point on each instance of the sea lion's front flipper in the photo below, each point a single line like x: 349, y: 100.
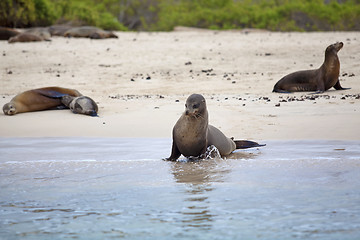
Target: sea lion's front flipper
x: 242, y: 144
x: 337, y: 86
x: 50, y: 93
x: 175, y: 153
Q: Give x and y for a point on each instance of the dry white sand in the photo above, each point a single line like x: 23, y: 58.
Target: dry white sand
x: 141, y: 81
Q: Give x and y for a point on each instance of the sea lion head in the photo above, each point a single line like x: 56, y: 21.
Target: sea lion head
x: 84, y: 105
x: 9, y: 109
x: 195, y: 106
x: 334, y: 48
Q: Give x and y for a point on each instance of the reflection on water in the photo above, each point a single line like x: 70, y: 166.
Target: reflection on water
x: 78, y: 188
x: 199, y: 178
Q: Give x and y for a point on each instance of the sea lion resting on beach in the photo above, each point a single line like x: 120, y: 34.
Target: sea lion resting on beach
x: 6, y: 33
x: 82, y: 105
x: 59, y: 30
x: 26, y: 37
x: 38, y: 99
x: 319, y: 80
x: 89, y: 32
x: 42, y: 32
x: 192, y: 134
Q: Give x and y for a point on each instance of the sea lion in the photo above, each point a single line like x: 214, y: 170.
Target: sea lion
x: 38, y: 99
x: 6, y: 33
x: 89, y: 32
x: 319, y: 80
x: 59, y: 30
x: 82, y: 105
x: 192, y: 134
x: 42, y: 32
x: 25, y: 37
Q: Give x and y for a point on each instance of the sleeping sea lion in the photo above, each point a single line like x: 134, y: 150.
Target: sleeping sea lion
x: 6, y: 33
x: 42, y: 32
x: 319, y: 80
x: 192, y: 134
x: 82, y: 105
x: 26, y: 37
x: 89, y: 32
x: 59, y: 30
x: 38, y: 99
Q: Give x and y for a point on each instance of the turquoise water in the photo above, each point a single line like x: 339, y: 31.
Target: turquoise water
x: 113, y: 188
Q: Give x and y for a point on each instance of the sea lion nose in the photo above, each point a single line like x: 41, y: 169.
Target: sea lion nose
x: 187, y: 112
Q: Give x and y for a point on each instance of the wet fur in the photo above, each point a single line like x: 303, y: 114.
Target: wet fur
x: 192, y: 134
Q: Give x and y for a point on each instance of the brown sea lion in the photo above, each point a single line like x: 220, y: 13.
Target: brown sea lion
x: 82, y: 105
x: 319, y: 80
x: 25, y: 37
x: 6, y: 33
x: 192, y: 134
x: 42, y: 32
x: 59, y: 30
x: 89, y: 32
x: 38, y: 99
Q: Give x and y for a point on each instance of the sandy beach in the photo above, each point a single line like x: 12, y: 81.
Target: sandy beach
x: 141, y: 81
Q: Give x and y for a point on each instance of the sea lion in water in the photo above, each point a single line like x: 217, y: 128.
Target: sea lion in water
x: 26, y: 37
x: 38, y: 99
x: 192, y: 134
x: 82, y: 105
x: 89, y: 32
x: 6, y: 33
x: 319, y: 80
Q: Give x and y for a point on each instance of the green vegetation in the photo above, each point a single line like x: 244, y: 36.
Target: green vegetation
x: 164, y: 15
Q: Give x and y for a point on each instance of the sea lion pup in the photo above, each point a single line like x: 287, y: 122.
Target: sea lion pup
x: 89, y: 32
x: 42, y: 32
x: 319, y: 80
x: 82, y: 105
x: 6, y: 33
x: 26, y: 37
x: 192, y: 134
x: 38, y: 99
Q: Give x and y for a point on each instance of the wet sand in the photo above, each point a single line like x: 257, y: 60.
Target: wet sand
x: 141, y: 81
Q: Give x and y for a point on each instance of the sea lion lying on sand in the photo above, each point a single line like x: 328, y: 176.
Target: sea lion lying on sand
x: 192, y: 134
x: 26, y: 37
x: 89, y: 32
x: 319, y: 80
x: 82, y: 105
x: 6, y: 33
x: 59, y: 30
x: 42, y: 32
x: 38, y: 99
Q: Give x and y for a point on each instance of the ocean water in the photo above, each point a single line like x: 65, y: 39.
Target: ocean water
x: 115, y: 188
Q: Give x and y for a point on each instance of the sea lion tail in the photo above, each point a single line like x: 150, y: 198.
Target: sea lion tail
x: 242, y: 144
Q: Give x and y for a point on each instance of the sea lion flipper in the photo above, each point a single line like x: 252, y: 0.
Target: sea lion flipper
x: 50, y: 93
x: 242, y: 144
x: 337, y: 86
x: 175, y: 153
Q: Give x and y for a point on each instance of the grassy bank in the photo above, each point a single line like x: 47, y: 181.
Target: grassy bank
x: 164, y: 15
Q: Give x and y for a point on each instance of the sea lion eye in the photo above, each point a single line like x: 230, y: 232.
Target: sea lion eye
x: 196, y: 106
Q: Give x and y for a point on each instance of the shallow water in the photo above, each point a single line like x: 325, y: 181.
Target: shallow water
x: 104, y: 188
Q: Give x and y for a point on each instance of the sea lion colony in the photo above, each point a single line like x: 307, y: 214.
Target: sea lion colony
x: 192, y: 134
